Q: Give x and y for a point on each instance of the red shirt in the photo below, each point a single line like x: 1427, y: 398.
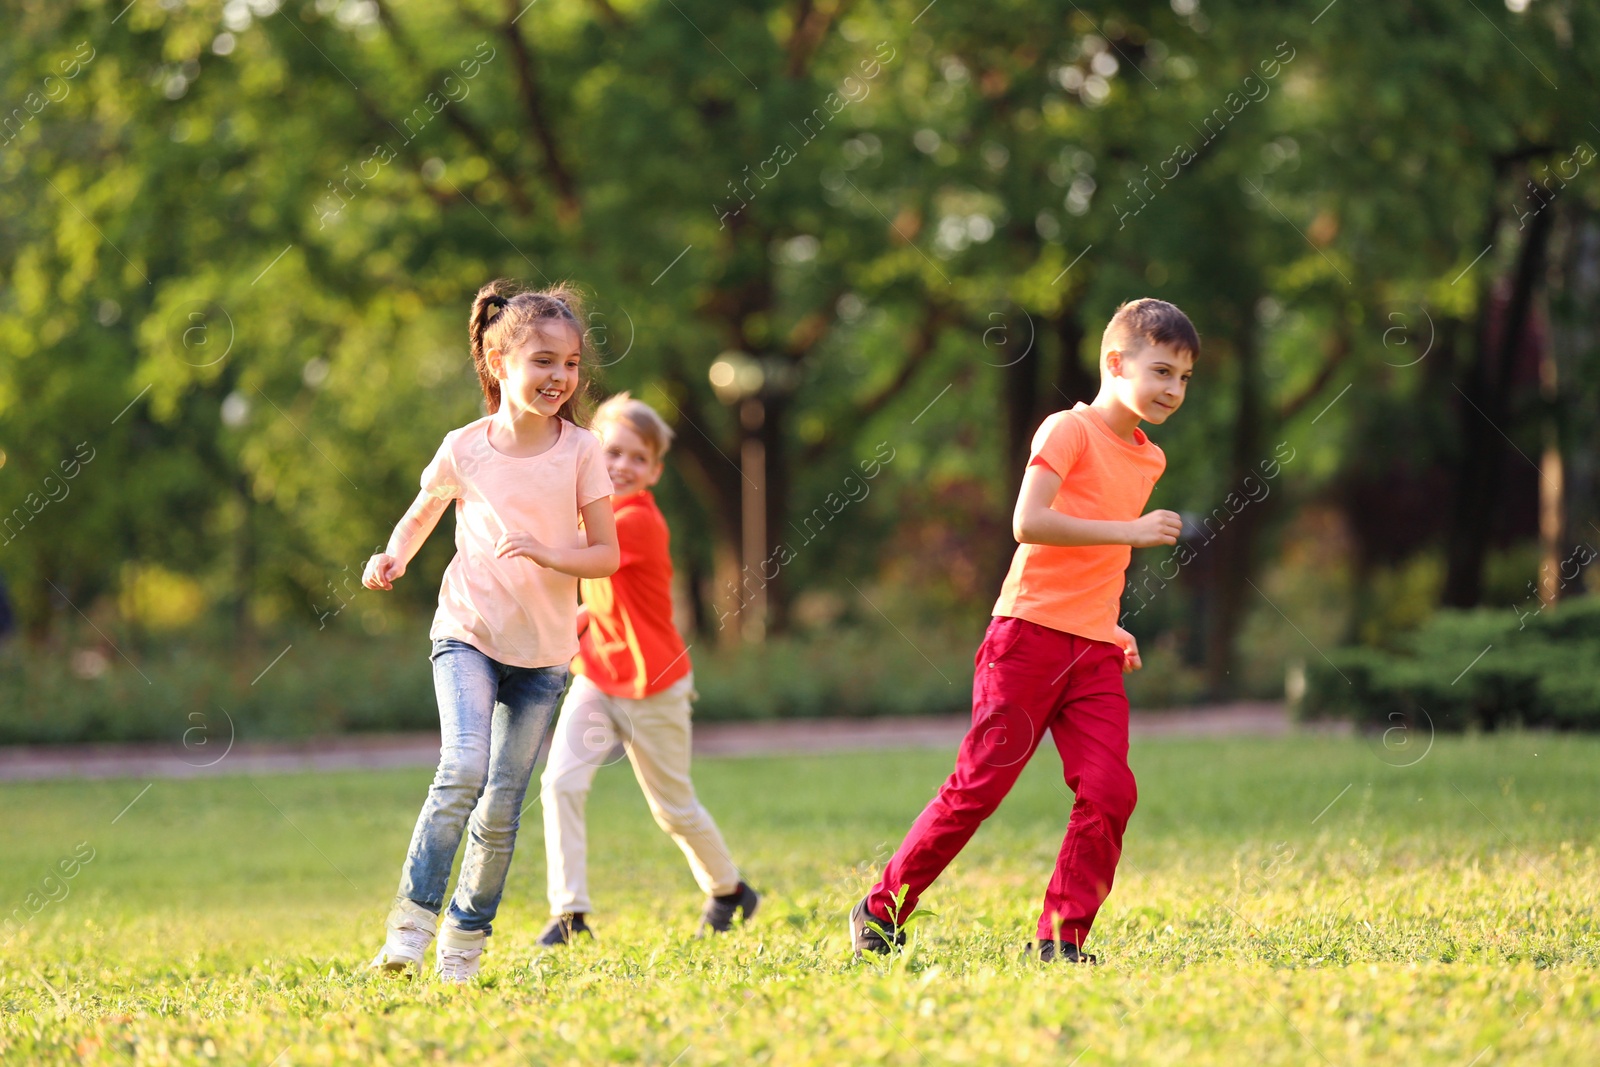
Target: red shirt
x: 631, y: 648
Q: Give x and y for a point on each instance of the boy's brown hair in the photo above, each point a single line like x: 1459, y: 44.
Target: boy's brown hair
x: 637, y: 416
x: 1151, y: 321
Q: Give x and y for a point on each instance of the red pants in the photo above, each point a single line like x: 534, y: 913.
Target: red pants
x: 1029, y: 679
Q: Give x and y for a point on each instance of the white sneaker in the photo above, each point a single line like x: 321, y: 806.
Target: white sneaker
x: 410, y: 928
x: 459, y: 953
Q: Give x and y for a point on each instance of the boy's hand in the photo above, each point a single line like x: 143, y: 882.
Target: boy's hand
x: 1130, y: 651
x: 522, y: 543
x: 1155, y: 528
x: 382, y: 570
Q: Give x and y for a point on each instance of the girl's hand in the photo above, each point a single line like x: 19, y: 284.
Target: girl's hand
x: 382, y: 570
x: 1130, y: 651
x: 522, y: 543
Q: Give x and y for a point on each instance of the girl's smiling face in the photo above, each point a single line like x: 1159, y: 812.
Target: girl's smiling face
x: 540, y: 372
x: 631, y: 462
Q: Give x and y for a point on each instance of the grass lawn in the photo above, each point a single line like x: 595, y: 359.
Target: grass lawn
x: 1287, y: 901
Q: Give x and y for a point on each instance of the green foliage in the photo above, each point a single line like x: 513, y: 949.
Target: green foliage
x: 324, y: 184
x: 196, y: 694
x: 1428, y: 914
x: 188, y: 689
x: 1479, y: 669
x: 844, y: 673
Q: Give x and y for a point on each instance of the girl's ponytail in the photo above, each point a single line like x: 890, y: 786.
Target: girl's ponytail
x: 502, y: 310
x: 486, y: 307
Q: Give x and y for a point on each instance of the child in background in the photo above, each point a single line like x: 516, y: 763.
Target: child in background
x: 521, y: 479
x: 1054, y: 655
x: 634, y: 682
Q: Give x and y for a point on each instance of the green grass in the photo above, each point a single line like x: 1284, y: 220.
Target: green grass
x: 1432, y: 914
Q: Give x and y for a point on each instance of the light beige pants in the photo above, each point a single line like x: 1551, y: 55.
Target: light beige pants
x: 655, y: 732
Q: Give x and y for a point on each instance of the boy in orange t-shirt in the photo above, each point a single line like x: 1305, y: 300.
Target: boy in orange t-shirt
x: 633, y: 683
x: 1054, y: 656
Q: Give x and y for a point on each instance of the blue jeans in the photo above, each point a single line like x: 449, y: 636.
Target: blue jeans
x: 493, y: 719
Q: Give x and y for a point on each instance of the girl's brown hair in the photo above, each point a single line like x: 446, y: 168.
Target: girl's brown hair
x: 504, y: 313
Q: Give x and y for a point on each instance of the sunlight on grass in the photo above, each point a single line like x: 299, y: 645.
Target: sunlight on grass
x: 1281, y: 901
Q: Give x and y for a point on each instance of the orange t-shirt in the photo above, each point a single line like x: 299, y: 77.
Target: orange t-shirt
x: 631, y: 648
x: 1079, y: 590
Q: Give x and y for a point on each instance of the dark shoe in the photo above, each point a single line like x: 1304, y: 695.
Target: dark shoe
x: 1064, y: 951
x: 868, y: 933
x: 564, y: 929
x: 720, y: 911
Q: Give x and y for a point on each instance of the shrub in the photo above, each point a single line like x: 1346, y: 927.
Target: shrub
x: 343, y: 681
x: 1484, y: 668
x: 327, y: 683
x: 844, y: 673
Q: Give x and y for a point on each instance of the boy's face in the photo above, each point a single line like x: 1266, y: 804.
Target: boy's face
x: 1150, y: 379
x: 630, y: 461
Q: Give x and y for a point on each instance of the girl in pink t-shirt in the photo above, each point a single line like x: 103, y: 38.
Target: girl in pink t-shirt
x: 533, y: 515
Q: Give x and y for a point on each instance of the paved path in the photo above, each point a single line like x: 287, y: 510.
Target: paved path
x: 385, y: 751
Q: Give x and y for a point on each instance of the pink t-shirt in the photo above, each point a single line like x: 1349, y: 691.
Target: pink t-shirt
x: 513, y: 610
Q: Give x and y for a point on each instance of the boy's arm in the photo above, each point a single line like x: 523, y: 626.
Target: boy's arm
x: 641, y: 538
x: 1130, y: 650
x: 1035, y: 522
x: 409, y: 533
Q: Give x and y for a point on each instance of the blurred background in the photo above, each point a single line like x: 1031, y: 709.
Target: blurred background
x: 854, y: 252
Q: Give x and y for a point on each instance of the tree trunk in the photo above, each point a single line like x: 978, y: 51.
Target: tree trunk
x: 244, y: 564
x: 1484, y: 417
x: 777, y: 510
x: 715, y: 479
x: 697, y: 582
x: 1235, y: 544
x: 1552, y: 483
x: 1074, y: 381
x: 1019, y: 361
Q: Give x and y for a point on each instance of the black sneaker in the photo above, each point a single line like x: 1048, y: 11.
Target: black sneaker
x: 720, y: 911
x: 1063, y: 951
x: 871, y: 938
x: 564, y: 929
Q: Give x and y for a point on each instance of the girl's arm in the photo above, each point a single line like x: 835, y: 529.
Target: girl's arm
x: 1035, y: 522
x: 599, y: 560
x: 409, y: 533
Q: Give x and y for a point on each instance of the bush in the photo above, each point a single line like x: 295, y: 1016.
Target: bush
x: 1483, y: 669
x: 343, y: 681
x: 845, y: 673
x: 327, y: 683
